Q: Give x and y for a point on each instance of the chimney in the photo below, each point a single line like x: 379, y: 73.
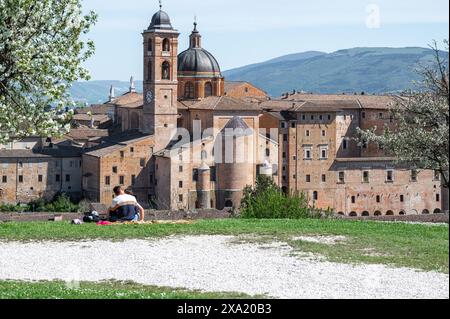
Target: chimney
x: 132, y: 85
x: 112, y: 94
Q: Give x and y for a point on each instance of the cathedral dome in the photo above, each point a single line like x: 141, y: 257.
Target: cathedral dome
x: 160, y: 20
x: 198, y: 60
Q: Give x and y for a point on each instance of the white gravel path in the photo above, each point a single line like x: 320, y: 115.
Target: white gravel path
x: 214, y: 263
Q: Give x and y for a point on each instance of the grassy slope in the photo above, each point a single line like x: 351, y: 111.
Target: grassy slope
x: 411, y: 245
x: 105, y: 290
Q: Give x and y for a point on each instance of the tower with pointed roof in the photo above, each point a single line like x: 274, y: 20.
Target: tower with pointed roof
x: 160, y: 79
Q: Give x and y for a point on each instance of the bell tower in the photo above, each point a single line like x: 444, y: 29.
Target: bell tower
x: 160, y: 79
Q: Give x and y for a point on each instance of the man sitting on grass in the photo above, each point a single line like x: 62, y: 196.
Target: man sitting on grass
x: 125, y: 207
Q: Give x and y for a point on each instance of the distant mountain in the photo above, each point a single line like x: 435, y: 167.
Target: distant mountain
x: 372, y: 70
x: 92, y: 92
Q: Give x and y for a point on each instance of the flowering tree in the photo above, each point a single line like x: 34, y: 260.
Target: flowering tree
x: 421, y: 137
x: 41, y: 52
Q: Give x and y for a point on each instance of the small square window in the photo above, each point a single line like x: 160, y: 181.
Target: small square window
x: 366, y: 178
x: 390, y: 176
x: 413, y: 175
x: 341, y: 177
x: 293, y: 125
x: 131, y: 149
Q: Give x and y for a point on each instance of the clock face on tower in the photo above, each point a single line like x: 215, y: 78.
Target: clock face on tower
x: 149, y: 96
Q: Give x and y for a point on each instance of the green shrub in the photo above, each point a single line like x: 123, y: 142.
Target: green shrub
x: 61, y: 204
x: 267, y: 201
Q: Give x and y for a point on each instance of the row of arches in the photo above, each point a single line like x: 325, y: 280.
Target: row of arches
x: 387, y: 213
x: 189, y: 90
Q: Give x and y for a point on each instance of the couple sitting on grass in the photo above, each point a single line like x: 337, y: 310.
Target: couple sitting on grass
x: 125, y: 207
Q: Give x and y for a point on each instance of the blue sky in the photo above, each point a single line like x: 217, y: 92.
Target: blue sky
x: 241, y: 32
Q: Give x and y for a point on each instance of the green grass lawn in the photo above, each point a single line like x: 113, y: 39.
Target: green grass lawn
x: 398, y: 244
x: 105, y: 290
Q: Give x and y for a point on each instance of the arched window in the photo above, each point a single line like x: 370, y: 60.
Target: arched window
x: 150, y: 71
x: 377, y: 213
x: 365, y: 214
x: 150, y: 46
x: 353, y: 214
x: 425, y: 212
x: 166, y: 45
x: 208, y: 89
x: 341, y: 214
x: 402, y: 213
x: 315, y: 196
x: 189, y: 91
x: 228, y: 204
x: 437, y: 211
x: 166, y: 70
x: 389, y: 213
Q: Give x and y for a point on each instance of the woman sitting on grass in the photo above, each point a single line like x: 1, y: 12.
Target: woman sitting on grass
x: 125, y: 207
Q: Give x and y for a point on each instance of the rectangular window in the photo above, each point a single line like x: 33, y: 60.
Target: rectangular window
x: 437, y: 175
x: 353, y: 199
x: 307, y: 133
x: 366, y: 177
x: 131, y: 149
x: 180, y: 184
x: 57, y: 178
x: 308, y: 178
x: 284, y: 154
x: 67, y: 178
x: 122, y: 180
x: 323, y: 152
x: 378, y: 199
x: 285, y: 137
x: 438, y: 197
x: 303, y: 117
x: 195, y: 175
x: 293, y: 124
x: 308, y: 153
x: 324, y: 178
x: 413, y: 175
x: 180, y: 198
x: 180, y: 169
x: 341, y: 177
x: 114, y: 169
x: 320, y: 117
x: 324, y: 133
x: 133, y: 179
x: 344, y: 144
x: 363, y: 115
x: 402, y: 198
x: 389, y: 176
x: 40, y: 178
x: 4, y: 179
x: 122, y: 154
x: 283, y: 124
x: 380, y: 116
x: 107, y: 180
